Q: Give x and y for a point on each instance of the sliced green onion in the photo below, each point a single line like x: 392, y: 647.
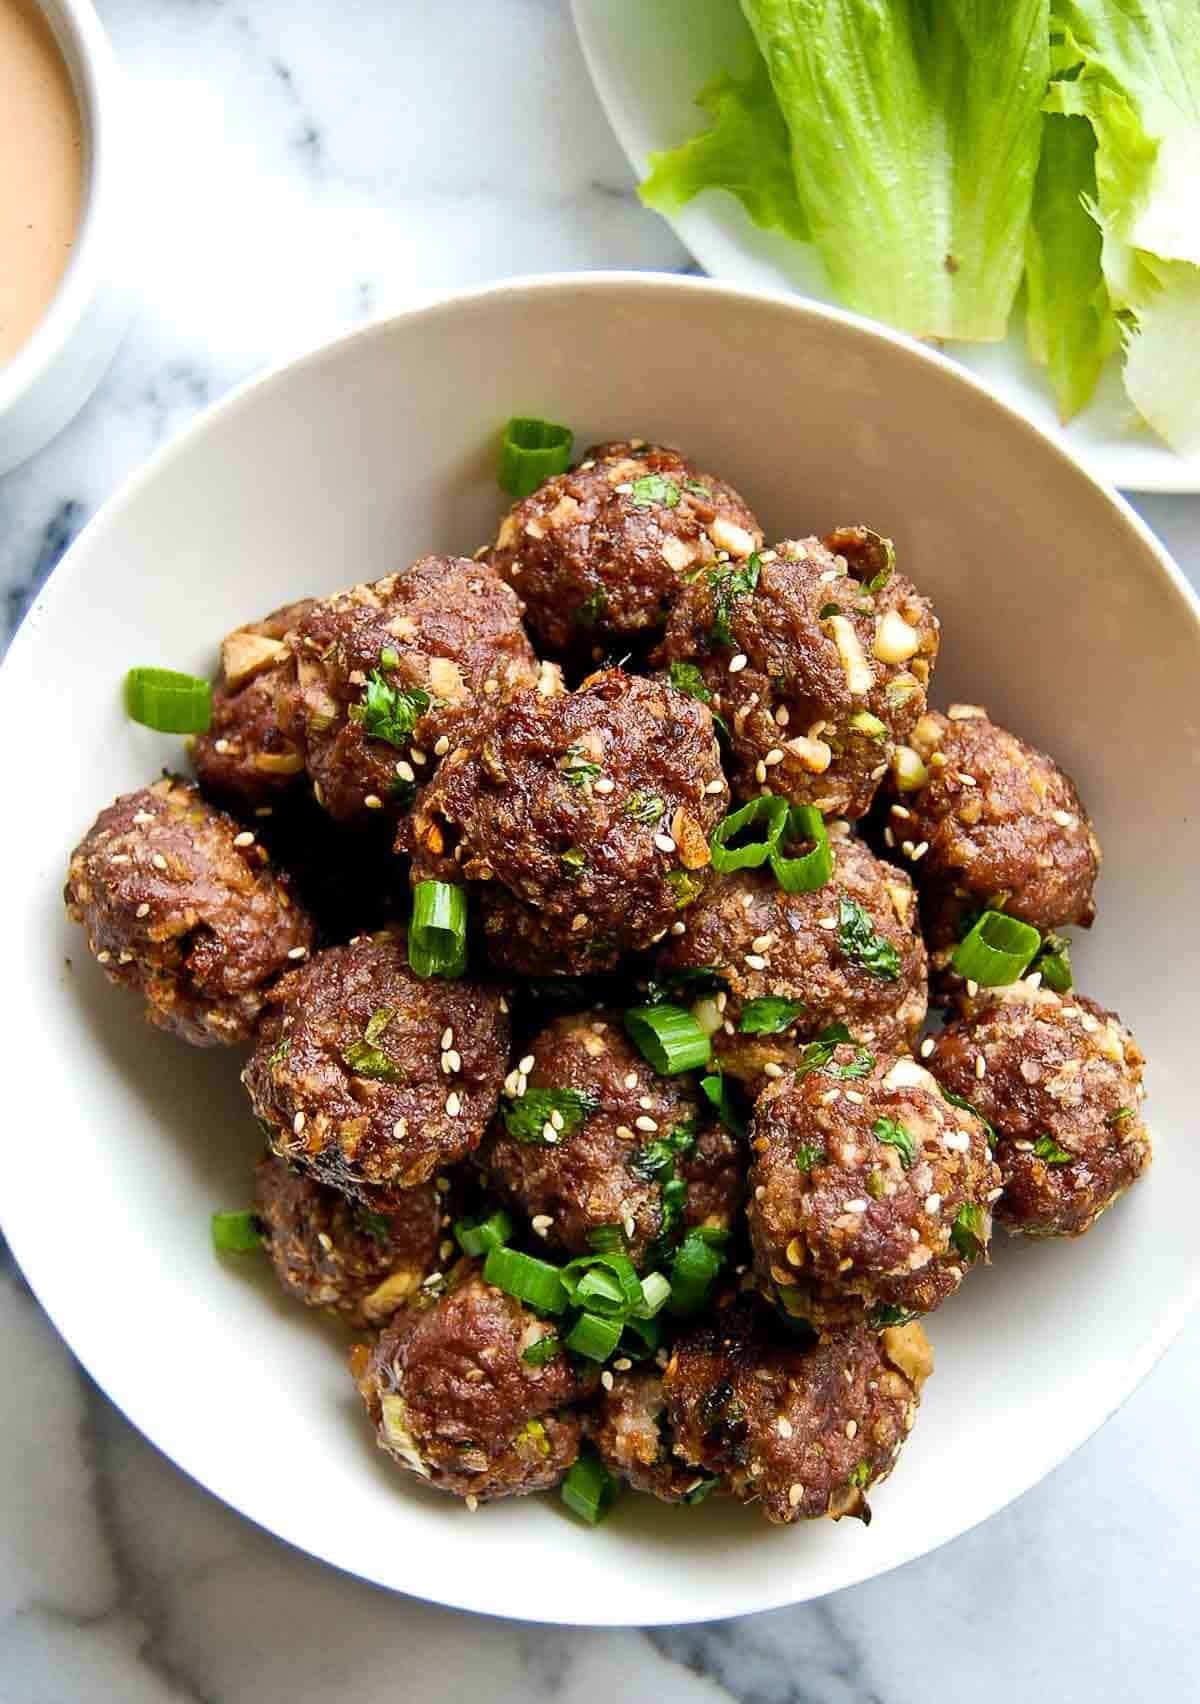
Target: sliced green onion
x: 647, y: 1331
x: 169, y: 703
x: 237, y: 1233
x: 656, y: 1288
x: 594, y: 1337
x: 531, y: 452
x: 770, y: 1015
x: 535, y: 1282
x: 437, y: 935
x: 544, y: 1350
x: 997, y: 950
x: 1054, y: 1154
x: 693, y: 1272
x: 1054, y: 962
x: 479, y: 1236
x: 621, y: 1268
x: 669, y: 1037
x: 765, y: 815
x: 716, y: 1089
x: 589, y: 1489
x: 607, y: 1239
x: 813, y: 869
x: 600, y: 1292
x: 703, y: 1491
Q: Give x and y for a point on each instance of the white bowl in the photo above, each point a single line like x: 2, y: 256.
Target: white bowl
x: 1060, y: 612
x: 648, y: 63
x: 50, y: 378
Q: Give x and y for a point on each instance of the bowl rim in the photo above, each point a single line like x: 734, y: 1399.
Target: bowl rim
x: 85, y: 47
x: 40, y: 1274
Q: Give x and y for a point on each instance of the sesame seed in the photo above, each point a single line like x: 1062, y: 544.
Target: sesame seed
x: 447, y: 1038
x: 933, y: 1203
x: 298, y: 1123
x: 644, y: 1123
x: 972, y: 988
x: 774, y: 756
x: 679, y: 927
x: 1034, y: 979
x: 857, y: 1206
x: 103, y: 958
x: 980, y: 1066
x: 631, y: 1080
x: 889, y: 839
x: 760, y: 1192
x: 795, y: 1493
x: 927, y: 1047
x: 159, y: 862
x: 400, y: 1129
x: 442, y: 747
x: 715, y: 787
x: 782, y: 715
x: 445, y: 1249
x: 629, y: 1225
x: 645, y: 1102
x: 902, y: 812
x: 373, y: 802
x: 853, y: 1096
x: 756, y: 961
x: 525, y: 1066
x: 143, y: 817
x: 770, y: 1069
x: 625, y: 1133
x: 967, y: 780
x: 541, y: 1223
x: 919, y: 851
x: 491, y: 686
x: 221, y: 746
x: 795, y: 1252
x: 826, y: 922
x: 604, y: 785
x: 298, y: 952
x: 956, y: 1140
x: 453, y: 1105
x: 454, y: 1059
x: 472, y: 1501
x: 606, y: 1379
x: 664, y: 843
x: 418, y: 756
x: 623, y: 1365
x: 549, y: 1133
x: 245, y: 838
x: 722, y: 1001
x: 760, y: 943
x: 556, y: 1119
x: 828, y: 1099
x: 738, y: 663
x: 783, y: 1426
x: 124, y: 958
x: 1064, y: 819
x: 502, y: 1003
x: 851, y: 1428
x: 760, y: 772
x: 326, y: 1241
x: 143, y: 909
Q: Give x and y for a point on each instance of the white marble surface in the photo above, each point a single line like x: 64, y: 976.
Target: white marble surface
x: 305, y: 164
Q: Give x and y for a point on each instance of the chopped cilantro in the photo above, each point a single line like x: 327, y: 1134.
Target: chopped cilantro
x: 818, y: 1055
x: 376, y: 1225
x: 652, y: 488
x: 368, y: 1061
x: 526, y: 1119
x: 644, y: 807
x: 685, y: 887
x: 769, y: 1015
x: 390, y: 712
x: 728, y: 585
x: 716, y: 1090
x: 656, y: 1163
x: 809, y: 1155
x: 280, y: 1051
x: 826, y: 610
x: 1114, y: 1120
x: 589, y: 612
x: 893, y: 1134
x: 884, y: 1314
x: 965, y: 1106
x: 967, y: 1231
x: 578, y: 769
x: 863, y: 944
x: 1046, y: 1148
x: 686, y: 677
x: 544, y: 1349
x: 860, y: 1475
x: 695, y: 487
x: 573, y: 860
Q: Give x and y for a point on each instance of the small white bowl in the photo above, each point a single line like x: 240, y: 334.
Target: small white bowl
x: 50, y: 378
x: 1060, y: 612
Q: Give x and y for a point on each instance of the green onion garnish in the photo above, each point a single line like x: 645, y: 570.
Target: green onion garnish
x: 656, y: 1290
x: 863, y: 944
x: 1046, y: 1148
x: 589, y: 1489
x: 237, y: 1233
x: 893, y: 1134
x: 544, y: 1350
x: 717, y: 1090
x: 534, y: 1282
x: 1054, y: 962
x: 531, y: 452
x: 808, y: 1155
x: 966, y: 1233
x: 813, y: 869
x: 168, y: 702
x: 694, y: 1269
x: 594, y: 1337
x: 547, y: 1115
x: 480, y: 1236
x: 884, y: 1314
x: 818, y: 1055
x: 769, y: 1016
x: 966, y: 1106
x: 765, y: 816
x: 623, y: 1291
x: 669, y: 1037
x: 389, y: 712
x: 997, y: 950
x: 437, y: 935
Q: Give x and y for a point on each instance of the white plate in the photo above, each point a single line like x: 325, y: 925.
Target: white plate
x: 1060, y: 612
x: 649, y: 61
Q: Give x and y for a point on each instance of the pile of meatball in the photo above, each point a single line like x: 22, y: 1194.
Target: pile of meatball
x: 558, y: 726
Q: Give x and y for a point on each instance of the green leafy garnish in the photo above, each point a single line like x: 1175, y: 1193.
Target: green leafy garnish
x: 376, y: 1225
x: 1121, y: 1116
x: 402, y: 792
x: 684, y: 886
x: 967, y: 1231
x: 644, y: 807
x: 729, y: 583
x: 593, y: 607
x: 280, y: 1051
x: 769, y: 1015
x: 1053, y: 960
x: 657, y: 1163
x: 526, y: 1119
x: 682, y: 987
x: 809, y: 1155
x: 389, y: 658
x: 653, y: 488
x: 862, y: 943
x: 860, y: 1475
x: 893, y: 1134
x: 884, y: 1314
x: 573, y: 860
x: 368, y: 1061
x: 700, y: 1492
x: 544, y: 1350
x: 1046, y: 1148
x: 966, y: 1106
x: 696, y: 488
x: 826, y: 610
x: 389, y: 712
x: 686, y: 677
x: 716, y: 1090
x: 578, y: 769
x: 818, y: 1055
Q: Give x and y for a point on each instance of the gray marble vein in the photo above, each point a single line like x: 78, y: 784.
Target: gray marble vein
x: 301, y: 166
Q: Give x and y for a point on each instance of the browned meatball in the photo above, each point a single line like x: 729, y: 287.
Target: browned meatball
x: 995, y: 824
x: 815, y: 676
x: 805, y: 949
x: 598, y: 554
x: 369, y: 1078
x: 453, y: 1399
x: 803, y: 1431
x: 391, y: 675
x: 181, y: 903
x: 245, y: 759
x: 628, y: 1427
x: 334, y: 1253
x: 1060, y: 1078
x: 870, y: 1194
x: 584, y: 820
x: 625, y: 1134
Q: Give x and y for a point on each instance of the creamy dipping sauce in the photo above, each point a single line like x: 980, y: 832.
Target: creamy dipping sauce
x: 41, y: 170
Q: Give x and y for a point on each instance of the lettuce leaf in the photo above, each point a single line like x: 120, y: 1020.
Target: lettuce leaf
x: 915, y: 130
x: 1069, y: 321
x: 746, y: 152
x: 1162, y: 354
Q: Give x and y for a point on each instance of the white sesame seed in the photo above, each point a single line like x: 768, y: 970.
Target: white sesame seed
x: 453, y: 1105
x: 143, y: 817
x: 664, y: 843
x: 826, y: 922
x: 447, y: 1037
x: 159, y: 862
x: 853, y: 1096
x: 549, y: 1133
x: 245, y: 838
x: 679, y: 927
x: 629, y: 1224
x: 472, y: 1501
x: 851, y: 1428
x: 326, y: 1241
x: 373, y: 802
x: 557, y: 1120
x: 722, y: 1001
x: 124, y: 958
x: 631, y: 1080
x: 927, y: 1047
x: 405, y: 771
x: 541, y: 1223
x: 770, y: 1069
x: 103, y: 958
x: 124, y: 858
x: 442, y: 747
x: 833, y: 1095
x: 956, y: 1140
x: 1034, y: 979
x: 967, y: 780
x: 418, y: 756
x: 645, y: 1102
x: 919, y: 851
x: 644, y: 1123
x: 756, y: 961
x: 625, y: 1133
x: 774, y: 756
x: 889, y: 839
x: 445, y: 1249
x: 400, y: 1129
x: 606, y: 1379
x: 761, y: 943
x: 782, y: 715
x: 502, y: 1003
x: 933, y: 1203
x: 857, y: 1206
x: 980, y: 1066
x: 298, y: 1123
x: 605, y: 785
x: 1064, y: 819
x: 972, y: 988
x: 760, y: 772
x: 738, y: 663
x: 525, y: 1066
x: 901, y: 811
x: 795, y: 1493
x: 298, y: 952
x: 453, y: 1059
x: 143, y: 909
x: 715, y: 787
x: 623, y: 1364
x: 783, y: 1426
x: 760, y: 1192
x: 221, y: 746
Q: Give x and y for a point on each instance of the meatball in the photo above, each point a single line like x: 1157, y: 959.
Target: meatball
x: 628, y: 1427
x: 871, y: 1193
x: 815, y: 675
x: 583, y: 819
x: 391, y: 675
x: 182, y: 904
x: 453, y: 1399
x: 369, y: 1078
x: 590, y: 1135
x: 995, y: 824
x: 1060, y: 1078
x: 334, y: 1253
x: 599, y: 554
x: 805, y: 1431
x: 770, y: 945
x: 245, y: 759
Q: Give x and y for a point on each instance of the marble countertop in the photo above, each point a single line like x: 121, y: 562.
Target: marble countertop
x: 305, y: 165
